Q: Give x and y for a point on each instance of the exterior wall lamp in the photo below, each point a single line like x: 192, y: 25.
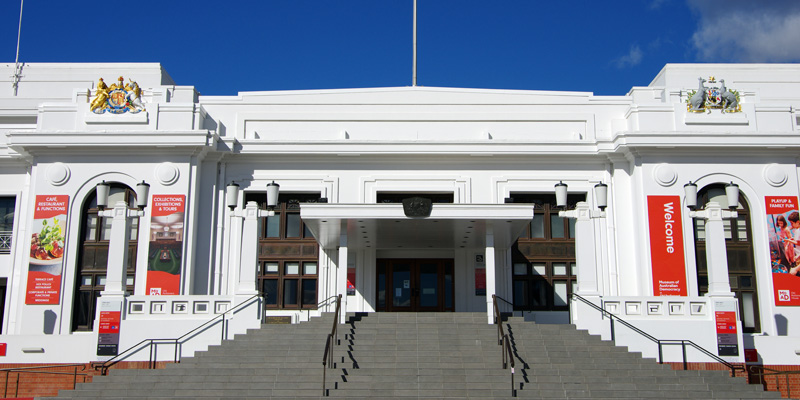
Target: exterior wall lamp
x: 249, y: 240
x: 716, y: 252
x: 585, y: 254
x: 120, y: 226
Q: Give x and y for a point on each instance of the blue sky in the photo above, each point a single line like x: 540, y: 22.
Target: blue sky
x: 221, y: 48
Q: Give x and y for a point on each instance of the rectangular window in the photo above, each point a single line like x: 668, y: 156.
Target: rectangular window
x: 6, y: 223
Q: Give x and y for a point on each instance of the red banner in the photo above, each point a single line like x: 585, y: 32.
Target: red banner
x: 666, y: 245
x: 166, y: 245
x: 783, y: 222
x: 47, y: 249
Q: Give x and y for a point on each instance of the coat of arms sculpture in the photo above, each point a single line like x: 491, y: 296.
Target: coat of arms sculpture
x: 707, y: 98
x: 118, y: 98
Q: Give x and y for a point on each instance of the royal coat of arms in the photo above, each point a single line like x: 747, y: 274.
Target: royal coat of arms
x: 118, y: 98
x: 707, y: 98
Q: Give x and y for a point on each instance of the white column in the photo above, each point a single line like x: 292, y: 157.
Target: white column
x: 249, y: 258
x: 116, y: 273
x: 585, y: 248
x: 716, y: 253
x: 491, y: 266
x: 341, y: 274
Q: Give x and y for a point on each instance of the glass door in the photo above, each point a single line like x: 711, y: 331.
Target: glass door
x: 415, y: 285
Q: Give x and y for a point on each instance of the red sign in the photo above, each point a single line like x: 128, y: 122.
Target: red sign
x: 166, y: 244
x: 109, y: 327
x: 480, y: 281
x: 351, y: 281
x: 750, y: 355
x: 3, y: 348
x: 109, y: 321
x: 666, y: 245
x: 47, y: 249
x: 783, y: 222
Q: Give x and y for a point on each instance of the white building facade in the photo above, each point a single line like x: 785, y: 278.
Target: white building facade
x: 477, y: 170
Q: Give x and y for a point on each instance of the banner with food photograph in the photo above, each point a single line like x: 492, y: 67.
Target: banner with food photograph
x: 166, y: 245
x: 47, y: 249
x: 783, y: 223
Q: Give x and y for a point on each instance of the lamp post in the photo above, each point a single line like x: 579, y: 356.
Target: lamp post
x: 120, y: 226
x: 585, y: 258
x: 716, y: 253
x: 250, y: 214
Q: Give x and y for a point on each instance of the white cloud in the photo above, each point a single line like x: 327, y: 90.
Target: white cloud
x: 656, y: 4
x: 747, y: 30
x: 634, y: 57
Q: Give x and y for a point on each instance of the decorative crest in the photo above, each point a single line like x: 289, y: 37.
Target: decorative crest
x: 707, y: 98
x: 118, y: 98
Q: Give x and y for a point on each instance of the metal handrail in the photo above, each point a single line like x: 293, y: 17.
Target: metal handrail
x: 504, y: 341
x: 660, y: 342
x: 28, y: 370
x: 332, y: 340
x: 774, y: 372
x: 508, y: 358
x: 178, y: 342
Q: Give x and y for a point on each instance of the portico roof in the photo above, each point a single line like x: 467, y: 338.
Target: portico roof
x: 385, y: 226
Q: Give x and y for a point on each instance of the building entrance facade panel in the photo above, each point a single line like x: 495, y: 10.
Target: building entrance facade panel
x: 415, y: 285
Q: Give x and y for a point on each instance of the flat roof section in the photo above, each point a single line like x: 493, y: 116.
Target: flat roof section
x: 385, y: 226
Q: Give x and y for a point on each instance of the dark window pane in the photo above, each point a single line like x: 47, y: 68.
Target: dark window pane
x: 81, y: 313
x: 87, y: 258
x: 556, y: 226
x: 381, y: 287
x: 537, y: 226
x: 274, y: 226
x: 520, y: 294
x: 571, y: 223
x: 448, y: 286
x: 292, y: 225
x: 101, y: 258
x: 309, y: 292
x: 290, y: 292
x: 307, y: 232
x: 539, y: 293
x: 7, y: 213
x: 269, y: 288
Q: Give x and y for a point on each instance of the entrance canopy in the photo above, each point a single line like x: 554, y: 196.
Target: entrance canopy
x: 385, y: 226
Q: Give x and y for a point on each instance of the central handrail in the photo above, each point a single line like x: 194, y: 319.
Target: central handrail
x: 29, y: 370
x: 178, y: 342
x: 504, y: 341
x: 660, y: 342
x: 332, y: 340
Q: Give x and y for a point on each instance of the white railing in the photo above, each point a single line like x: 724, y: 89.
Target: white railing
x: 5, y: 242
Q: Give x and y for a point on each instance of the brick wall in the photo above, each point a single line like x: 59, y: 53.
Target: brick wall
x: 60, y: 377
x: 770, y: 382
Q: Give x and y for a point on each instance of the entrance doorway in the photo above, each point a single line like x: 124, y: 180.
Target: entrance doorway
x: 414, y: 285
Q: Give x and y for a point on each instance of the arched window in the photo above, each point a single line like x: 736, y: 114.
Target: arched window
x: 93, y: 255
x: 739, y: 246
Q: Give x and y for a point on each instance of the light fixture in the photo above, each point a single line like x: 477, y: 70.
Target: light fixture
x: 142, y: 190
x: 561, y: 194
x: 272, y: 195
x: 690, y: 190
x: 232, y: 195
x: 732, y: 193
x: 601, y: 194
x: 102, y: 195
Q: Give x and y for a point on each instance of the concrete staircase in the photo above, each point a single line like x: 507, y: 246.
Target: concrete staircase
x: 417, y: 355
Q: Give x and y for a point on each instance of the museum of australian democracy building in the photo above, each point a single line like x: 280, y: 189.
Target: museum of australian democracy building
x: 133, y: 208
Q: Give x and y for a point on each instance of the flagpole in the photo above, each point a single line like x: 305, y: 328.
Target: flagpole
x: 16, y: 61
x: 414, y: 67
